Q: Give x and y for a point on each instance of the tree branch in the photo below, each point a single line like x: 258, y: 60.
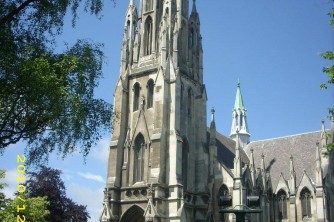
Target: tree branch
x: 14, y: 12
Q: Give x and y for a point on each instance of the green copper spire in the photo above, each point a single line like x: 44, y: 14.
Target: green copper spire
x: 239, y: 103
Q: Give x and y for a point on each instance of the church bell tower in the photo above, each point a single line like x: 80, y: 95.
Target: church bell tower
x: 158, y: 160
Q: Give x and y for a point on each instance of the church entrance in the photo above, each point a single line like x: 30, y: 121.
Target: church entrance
x: 133, y: 214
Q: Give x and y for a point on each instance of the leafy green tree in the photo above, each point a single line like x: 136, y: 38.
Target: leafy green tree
x: 329, y: 55
x: 35, y: 208
x: 47, y: 98
x: 3, y: 200
x: 47, y: 182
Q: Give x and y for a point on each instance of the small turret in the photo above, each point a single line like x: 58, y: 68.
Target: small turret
x: 195, y: 46
x: 129, y: 36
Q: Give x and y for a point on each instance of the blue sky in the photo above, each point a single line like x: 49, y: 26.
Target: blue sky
x: 271, y: 46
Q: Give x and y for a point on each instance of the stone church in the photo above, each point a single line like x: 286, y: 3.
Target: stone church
x: 166, y: 165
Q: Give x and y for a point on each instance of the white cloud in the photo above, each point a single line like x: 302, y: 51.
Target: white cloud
x: 93, y: 198
x: 91, y: 176
x: 101, y: 151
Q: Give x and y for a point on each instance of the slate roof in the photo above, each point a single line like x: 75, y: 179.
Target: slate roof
x: 226, y: 151
x: 277, y: 154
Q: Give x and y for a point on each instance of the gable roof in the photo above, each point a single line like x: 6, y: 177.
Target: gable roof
x: 277, y: 154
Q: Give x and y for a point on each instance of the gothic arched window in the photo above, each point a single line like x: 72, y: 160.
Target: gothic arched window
x: 128, y: 30
x: 139, y: 158
x: 150, y: 93
x: 241, y: 119
x: 133, y: 32
x: 185, y: 151
x: 191, y: 38
x: 136, y: 93
x: 189, y: 102
x: 225, y: 200
x: 148, y: 36
x: 282, y: 205
x: 236, y: 119
x: 223, y: 191
x: 305, y: 198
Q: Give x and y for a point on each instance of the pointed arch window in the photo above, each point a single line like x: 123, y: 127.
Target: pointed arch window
x: 282, y: 205
x: 223, y: 191
x: 185, y: 151
x: 189, y: 102
x: 139, y: 158
x: 150, y: 93
x: 241, y: 119
x: 191, y: 38
x: 305, y: 198
x: 133, y: 32
x: 225, y: 200
x: 136, y: 93
x: 148, y: 36
x: 128, y: 30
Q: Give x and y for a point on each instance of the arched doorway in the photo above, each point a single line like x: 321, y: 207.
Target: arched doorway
x: 133, y: 214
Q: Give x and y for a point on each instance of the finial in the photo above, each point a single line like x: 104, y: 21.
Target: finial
x: 291, y: 157
x: 252, y: 150
x: 213, y: 110
x: 213, y: 114
x: 238, y: 84
x: 323, y: 125
x: 262, y: 156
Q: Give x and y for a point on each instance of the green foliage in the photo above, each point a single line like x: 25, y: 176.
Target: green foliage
x: 328, y: 70
x: 47, y: 98
x: 3, y: 199
x: 329, y: 55
x: 47, y: 182
x: 2, y: 175
x: 35, y: 208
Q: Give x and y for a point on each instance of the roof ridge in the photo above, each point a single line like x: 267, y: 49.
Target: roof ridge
x: 283, y: 137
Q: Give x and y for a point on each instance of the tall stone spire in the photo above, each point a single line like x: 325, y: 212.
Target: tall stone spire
x: 239, y: 119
